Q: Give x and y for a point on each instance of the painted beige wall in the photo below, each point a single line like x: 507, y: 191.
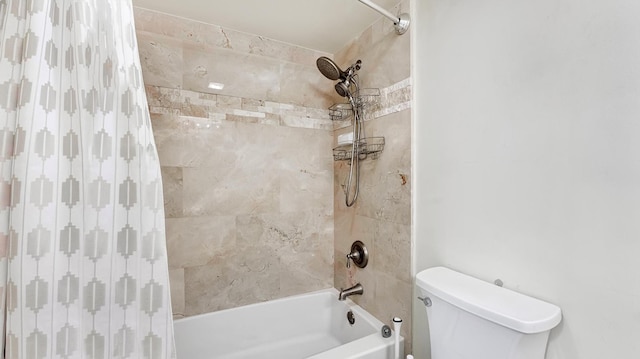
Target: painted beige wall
x: 247, y: 171
x: 528, y: 159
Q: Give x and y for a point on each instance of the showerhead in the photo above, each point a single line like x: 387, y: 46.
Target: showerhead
x: 342, y: 88
x: 331, y: 71
x: 329, y: 68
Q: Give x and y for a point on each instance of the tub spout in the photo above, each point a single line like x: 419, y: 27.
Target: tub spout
x: 356, y: 289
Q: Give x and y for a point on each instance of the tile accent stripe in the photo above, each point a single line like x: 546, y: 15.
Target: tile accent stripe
x: 164, y: 100
x: 170, y: 101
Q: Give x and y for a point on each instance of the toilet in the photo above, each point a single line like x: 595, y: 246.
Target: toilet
x: 473, y: 319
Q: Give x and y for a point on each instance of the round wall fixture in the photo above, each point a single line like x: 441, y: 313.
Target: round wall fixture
x: 359, y: 255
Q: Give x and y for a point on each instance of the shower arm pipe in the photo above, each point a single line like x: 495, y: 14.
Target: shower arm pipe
x: 400, y: 22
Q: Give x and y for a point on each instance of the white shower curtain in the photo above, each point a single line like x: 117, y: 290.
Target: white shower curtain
x: 83, y: 269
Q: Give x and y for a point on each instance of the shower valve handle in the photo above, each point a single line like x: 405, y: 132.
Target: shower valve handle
x: 359, y: 255
x: 355, y: 256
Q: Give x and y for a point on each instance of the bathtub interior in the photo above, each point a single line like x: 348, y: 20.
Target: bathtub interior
x: 312, y: 325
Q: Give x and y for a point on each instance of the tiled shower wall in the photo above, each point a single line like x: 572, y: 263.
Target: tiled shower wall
x: 247, y: 170
x: 249, y: 178
x: 381, y: 218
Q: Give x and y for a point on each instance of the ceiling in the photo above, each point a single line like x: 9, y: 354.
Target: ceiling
x: 325, y: 25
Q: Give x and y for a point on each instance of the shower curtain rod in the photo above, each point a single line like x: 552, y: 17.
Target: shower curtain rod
x: 400, y: 22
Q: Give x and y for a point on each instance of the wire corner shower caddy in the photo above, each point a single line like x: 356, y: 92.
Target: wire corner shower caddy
x: 361, y: 102
x: 368, y: 147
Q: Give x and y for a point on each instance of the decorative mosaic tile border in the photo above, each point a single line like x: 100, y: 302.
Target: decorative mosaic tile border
x: 163, y: 100
x: 394, y: 98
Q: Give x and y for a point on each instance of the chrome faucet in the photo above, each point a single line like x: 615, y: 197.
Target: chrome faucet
x: 356, y: 289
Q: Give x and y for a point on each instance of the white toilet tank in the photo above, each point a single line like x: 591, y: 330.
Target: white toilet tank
x: 472, y: 319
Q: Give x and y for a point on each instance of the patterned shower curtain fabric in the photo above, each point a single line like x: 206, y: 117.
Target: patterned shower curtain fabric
x: 83, y: 268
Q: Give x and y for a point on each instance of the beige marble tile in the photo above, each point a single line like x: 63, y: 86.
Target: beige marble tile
x: 348, y: 229
x: 207, y: 288
x: 305, y: 188
x: 293, y: 250
x: 305, y: 272
x: 256, y: 105
x: 157, y: 22
x: 386, y: 62
x: 163, y: 97
x: 191, y: 109
x: 367, y: 278
x: 318, y: 113
x: 172, y: 190
x: 301, y: 55
x: 195, y: 33
x: 387, y: 293
x: 306, y: 170
x: 385, y: 186
x: 392, y: 99
x: 161, y: 59
x: 382, y: 214
x: 390, y: 255
x: 394, y: 299
x: 211, y: 36
x: 250, y: 276
x: 305, y: 85
x: 392, y: 242
x: 206, y: 36
x: 234, y: 190
x: 238, y: 173
x: 229, y: 102
x: 385, y: 55
x: 287, y: 233
x: 243, y: 76
x: 306, y: 122
x: 189, y: 141
x: 193, y: 241
x: 244, y: 119
x: 257, y: 278
x: 176, y: 281
x: 385, y: 200
x: 263, y: 46
x: 355, y: 48
x: 190, y: 104
x: 248, y: 170
x: 240, y: 167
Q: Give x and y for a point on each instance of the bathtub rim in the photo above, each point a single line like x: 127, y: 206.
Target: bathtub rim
x: 348, y: 302
x: 360, y: 348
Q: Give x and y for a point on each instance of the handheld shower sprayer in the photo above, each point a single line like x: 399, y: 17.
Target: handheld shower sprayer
x: 347, y: 86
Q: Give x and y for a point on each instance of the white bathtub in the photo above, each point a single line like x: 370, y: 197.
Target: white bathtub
x: 312, y: 325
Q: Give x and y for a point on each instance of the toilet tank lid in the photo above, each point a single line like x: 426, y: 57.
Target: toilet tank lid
x: 489, y: 301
